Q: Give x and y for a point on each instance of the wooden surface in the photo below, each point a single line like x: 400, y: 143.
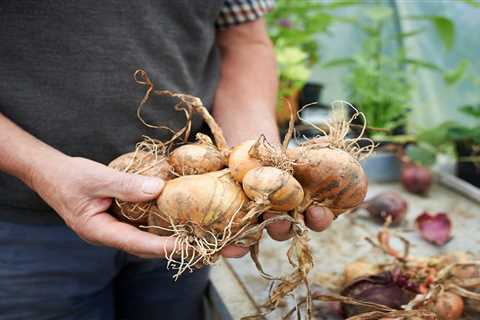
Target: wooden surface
x: 345, y: 242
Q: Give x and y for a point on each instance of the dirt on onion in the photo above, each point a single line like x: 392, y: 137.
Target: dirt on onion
x: 328, y: 167
x: 273, y: 187
x: 197, y: 158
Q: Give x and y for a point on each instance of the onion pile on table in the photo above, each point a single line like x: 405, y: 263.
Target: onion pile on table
x: 215, y: 195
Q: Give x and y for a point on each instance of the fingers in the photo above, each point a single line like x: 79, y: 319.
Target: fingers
x: 234, y: 251
x: 318, y: 218
x: 130, y: 187
x: 279, y: 231
x: 105, y: 230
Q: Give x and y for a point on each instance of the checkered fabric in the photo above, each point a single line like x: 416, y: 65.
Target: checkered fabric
x: 240, y: 11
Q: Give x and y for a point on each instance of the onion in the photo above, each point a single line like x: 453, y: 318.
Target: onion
x: 358, y: 269
x: 416, y: 179
x: 204, y: 213
x: 331, y: 177
x: 147, y: 164
x: 448, y: 306
x: 240, y: 162
x: 197, y: 158
x: 206, y: 203
x: 387, y: 204
x: 380, y: 288
x: 272, y: 186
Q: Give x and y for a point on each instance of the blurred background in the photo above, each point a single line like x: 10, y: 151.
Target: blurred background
x: 410, y: 66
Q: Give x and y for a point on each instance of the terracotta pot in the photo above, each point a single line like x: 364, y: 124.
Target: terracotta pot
x: 283, y: 111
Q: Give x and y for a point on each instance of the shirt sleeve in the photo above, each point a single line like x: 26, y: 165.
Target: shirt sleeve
x: 236, y: 12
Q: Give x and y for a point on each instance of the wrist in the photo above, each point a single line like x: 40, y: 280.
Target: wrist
x: 43, y: 168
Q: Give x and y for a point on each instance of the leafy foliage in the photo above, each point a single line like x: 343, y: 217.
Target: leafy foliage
x: 293, y: 69
x: 442, y: 137
x: 377, y: 81
x: 298, y: 23
x: 294, y: 27
x: 444, y: 27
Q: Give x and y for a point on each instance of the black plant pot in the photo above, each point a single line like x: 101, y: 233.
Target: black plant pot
x: 357, y: 127
x: 311, y: 92
x: 467, y: 170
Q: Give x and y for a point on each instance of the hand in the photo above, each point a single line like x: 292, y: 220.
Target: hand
x: 81, y: 191
x: 315, y: 218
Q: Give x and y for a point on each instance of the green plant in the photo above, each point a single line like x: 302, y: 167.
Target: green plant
x: 443, y: 138
x: 378, y: 81
x: 293, y: 69
x: 294, y: 27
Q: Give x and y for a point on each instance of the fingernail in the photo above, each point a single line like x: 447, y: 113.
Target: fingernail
x: 317, y: 213
x: 152, y: 186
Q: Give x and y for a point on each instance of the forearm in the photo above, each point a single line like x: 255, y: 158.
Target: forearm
x: 21, y: 154
x: 246, y: 96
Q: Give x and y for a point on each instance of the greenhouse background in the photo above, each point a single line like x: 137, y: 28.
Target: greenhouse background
x: 433, y: 101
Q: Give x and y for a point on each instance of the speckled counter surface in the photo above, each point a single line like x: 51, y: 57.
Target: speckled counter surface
x: 344, y: 242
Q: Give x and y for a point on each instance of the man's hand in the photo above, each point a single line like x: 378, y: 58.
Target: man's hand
x: 81, y: 192
x: 315, y: 218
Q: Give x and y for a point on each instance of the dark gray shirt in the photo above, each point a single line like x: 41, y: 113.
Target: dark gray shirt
x: 66, y: 75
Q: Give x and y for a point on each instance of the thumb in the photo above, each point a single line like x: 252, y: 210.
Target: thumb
x: 132, y: 187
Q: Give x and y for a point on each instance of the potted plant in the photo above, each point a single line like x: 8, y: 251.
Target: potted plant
x: 294, y: 27
x: 455, y: 138
x: 380, y: 83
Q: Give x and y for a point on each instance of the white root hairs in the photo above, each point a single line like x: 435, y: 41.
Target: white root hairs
x: 146, y: 148
x: 188, y: 105
x: 271, y: 155
x: 190, y: 250
x: 337, y: 130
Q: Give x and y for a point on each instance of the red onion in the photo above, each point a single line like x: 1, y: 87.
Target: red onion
x: 416, y: 179
x: 387, y: 204
x: 380, y: 288
x: 435, y: 228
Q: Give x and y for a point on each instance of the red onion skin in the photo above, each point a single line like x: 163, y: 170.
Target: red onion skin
x: 387, y: 204
x: 416, y: 179
x: 435, y: 228
x: 380, y: 288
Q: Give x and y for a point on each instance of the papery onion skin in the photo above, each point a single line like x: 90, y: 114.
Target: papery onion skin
x: 206, y: 202
x: 280, y: 188
x: 240, y: 162
x: 196, y: 158
x: 331, y: 176
x: 150, y: 165
x: 358, y: 269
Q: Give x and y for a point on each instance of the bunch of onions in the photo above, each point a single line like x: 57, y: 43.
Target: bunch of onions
x: 201, y: 205
x: 214, y: 195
